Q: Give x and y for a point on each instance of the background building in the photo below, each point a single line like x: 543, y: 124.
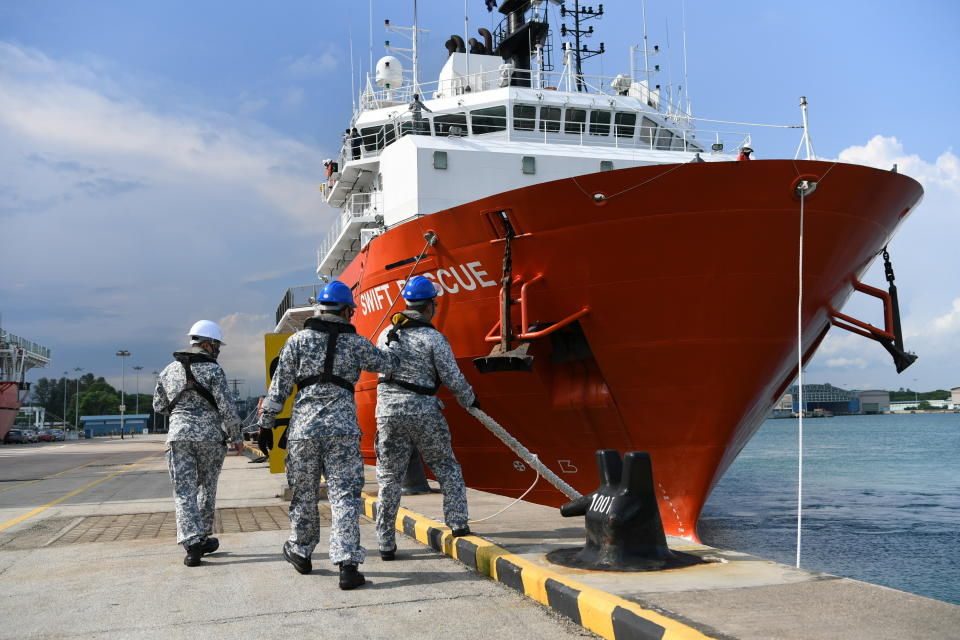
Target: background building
x: 875, y: 401
x: 826, y: 397
x: 106, y: 425
x: 955, y: 397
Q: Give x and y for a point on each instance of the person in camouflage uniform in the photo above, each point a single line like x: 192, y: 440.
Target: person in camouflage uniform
x: 193, y: 392
x: 408, y: 413
x: 324, y: 361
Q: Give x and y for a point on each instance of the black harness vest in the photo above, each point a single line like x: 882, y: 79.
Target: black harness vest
x: 186, y: 359
x: 333, y: 331
x: 394, y: 335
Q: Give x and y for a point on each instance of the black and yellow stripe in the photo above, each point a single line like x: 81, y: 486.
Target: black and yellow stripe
x: 607, y: 615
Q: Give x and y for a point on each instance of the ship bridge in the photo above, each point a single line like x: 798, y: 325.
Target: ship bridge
x: 18, y: 355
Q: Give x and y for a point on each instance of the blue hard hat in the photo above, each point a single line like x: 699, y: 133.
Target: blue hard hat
x: 419, y: 288
x: 336, y: 293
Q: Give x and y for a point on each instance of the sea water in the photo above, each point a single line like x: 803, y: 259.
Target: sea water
x: 881, y: 500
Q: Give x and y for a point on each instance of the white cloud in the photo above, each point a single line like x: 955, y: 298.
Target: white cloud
x: 125, y: 222
x: 242, y: 356
x: 926, y: 263
x: 312, y: 65
x: 949, y: 322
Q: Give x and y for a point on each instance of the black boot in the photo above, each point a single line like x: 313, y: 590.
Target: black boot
x: 194, y: 553
x: 300, y: 563
x: 350, y: 578
x: 210, y: 545
x: 388, y: 554
x: 461, y: 531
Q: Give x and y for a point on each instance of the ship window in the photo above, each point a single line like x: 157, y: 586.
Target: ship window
x: 575, y: 121
x: 529, y: 165
x: 665, y: 139
x: 439, y: 159
x: 606, y: 165
x: 389, y: 134
x: 489, y: 120
x: 599, y: 123
x: 648, y: 131
x: 625, y: 124
x: 372, y: 138
x: 524, y: 117
x: 550, y: 119
x: 447, y: 124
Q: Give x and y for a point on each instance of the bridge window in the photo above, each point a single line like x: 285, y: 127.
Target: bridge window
x: 665, y: 140
x: 576, y: 118
x: 489, y: 120
x: 599, y: 123
x: 648, y: 131
x: 625, y: 123
x: 550, y: 119
x: 450, y: 124
x: 524, y: 117
x: 372, y: 138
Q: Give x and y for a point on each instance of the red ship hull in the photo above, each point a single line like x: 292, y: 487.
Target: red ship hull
x: 689, y: 273
x: 9, y: 404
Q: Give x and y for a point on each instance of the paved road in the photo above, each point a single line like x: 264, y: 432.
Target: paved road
x: 131, y: 584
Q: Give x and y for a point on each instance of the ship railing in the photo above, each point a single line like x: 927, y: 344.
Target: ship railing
x: 11, y: 341
x: 472, y: 83
x: 545, y: 124
x: 296, y: 297
x: 358, y: 208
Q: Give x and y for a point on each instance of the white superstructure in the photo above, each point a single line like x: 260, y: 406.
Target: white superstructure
x: 475, y: 133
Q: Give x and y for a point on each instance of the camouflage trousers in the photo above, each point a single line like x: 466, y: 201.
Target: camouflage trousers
x: 429, y: 433
x: 338, y: 457
x: 194, y: 470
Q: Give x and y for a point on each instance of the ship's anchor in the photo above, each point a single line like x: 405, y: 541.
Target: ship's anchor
x: 502, y: 357
x: 624, y: 531
x: 891, y: 336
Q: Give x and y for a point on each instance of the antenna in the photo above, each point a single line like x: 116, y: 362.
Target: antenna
x: 370, y: 41
x: 411, y: 53
x: 581, y: 52
x: 353, y: 73
x: 686, y: 83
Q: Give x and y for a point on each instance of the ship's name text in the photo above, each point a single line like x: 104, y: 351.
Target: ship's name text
x: 461, y: 277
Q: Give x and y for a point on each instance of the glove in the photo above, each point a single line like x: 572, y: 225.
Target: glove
x: 475, y: 404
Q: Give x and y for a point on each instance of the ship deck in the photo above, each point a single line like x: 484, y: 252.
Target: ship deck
x: 87, y: 550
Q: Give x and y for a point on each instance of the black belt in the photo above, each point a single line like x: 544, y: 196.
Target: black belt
x: 325, y: 378
x: 416, y: 388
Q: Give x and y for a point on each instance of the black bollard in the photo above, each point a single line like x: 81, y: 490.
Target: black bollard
x: 623, y: 527
x: 415, y: 478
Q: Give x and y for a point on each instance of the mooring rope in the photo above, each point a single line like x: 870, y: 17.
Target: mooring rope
x: 803, y: 191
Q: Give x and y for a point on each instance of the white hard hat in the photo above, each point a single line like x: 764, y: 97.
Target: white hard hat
x: 746, y: 149
x: 205, y: 329
x: 327, y: 161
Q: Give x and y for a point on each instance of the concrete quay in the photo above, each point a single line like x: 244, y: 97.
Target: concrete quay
x: 87, y: 551
x: 733, y: 595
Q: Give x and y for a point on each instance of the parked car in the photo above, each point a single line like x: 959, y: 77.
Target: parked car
x: 45, y: 435
x: 14, y: 436
x: 29, y: 435
x: 58, y: 434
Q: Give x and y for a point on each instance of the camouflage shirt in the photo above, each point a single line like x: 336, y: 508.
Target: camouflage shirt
x: 323, y: 409
x: 426, y: 359
x: 193, y: 417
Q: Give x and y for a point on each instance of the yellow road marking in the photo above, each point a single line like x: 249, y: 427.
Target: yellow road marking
x: 10, y: 523
x: 54, y: 475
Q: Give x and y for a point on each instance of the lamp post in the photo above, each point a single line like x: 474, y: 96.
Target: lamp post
x: 137, y: 368
x: 65, y: 374
x: 123, y: 353
x: 76, y: 397
x: 156, y: 376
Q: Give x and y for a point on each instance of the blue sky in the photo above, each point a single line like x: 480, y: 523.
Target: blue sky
x: 161, y: 159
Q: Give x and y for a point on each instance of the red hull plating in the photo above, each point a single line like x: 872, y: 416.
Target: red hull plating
x: 9, y: 403
x: 690, y: 275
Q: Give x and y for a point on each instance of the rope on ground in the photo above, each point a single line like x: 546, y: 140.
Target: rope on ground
x: 522, y: 496
x: 523, y: 453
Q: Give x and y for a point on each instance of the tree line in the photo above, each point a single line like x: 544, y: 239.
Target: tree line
x: 96, y: 397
